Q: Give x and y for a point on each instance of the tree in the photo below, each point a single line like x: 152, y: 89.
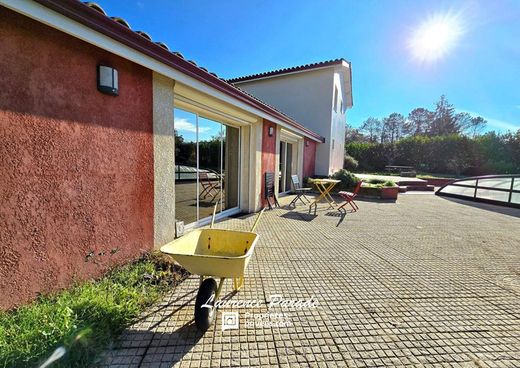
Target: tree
x: 463, y: 120
x: 419, y: 121
x: 444, y: 121
x: 394, y: 127
x: 353, y: 135
x: 372, y: 128
x: 472, y: 126
x: 476, y: 125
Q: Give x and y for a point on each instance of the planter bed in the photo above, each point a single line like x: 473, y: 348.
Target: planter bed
x: 379, y: 192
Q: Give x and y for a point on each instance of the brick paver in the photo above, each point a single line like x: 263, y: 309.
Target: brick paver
x: 422, y: 282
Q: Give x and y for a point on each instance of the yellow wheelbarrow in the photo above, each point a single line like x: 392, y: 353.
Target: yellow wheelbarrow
x: 213, y: 253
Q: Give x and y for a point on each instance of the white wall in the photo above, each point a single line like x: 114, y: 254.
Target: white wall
x: 337, y: 128
x: 306, y: 97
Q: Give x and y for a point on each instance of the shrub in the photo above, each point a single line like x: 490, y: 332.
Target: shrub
x: 490, y: 153
x: 379, y: 183
x: 370, y: 156
x: 376, y: 181
x: 348, y: 180
x: 350, y: 163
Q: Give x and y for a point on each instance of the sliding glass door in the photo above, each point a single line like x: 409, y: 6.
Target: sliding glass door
x: 285, y: 169
x: 186, y: 166
x: 207, y: 164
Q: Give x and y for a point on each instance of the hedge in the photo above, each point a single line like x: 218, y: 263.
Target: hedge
x: 454, y: 154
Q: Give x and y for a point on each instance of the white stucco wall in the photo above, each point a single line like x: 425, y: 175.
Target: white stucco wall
x: 337, y: 127
x: 164, y: 160
x: 306, y: 97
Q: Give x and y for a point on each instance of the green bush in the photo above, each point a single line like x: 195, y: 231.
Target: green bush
x: 350, y: 163
x: 348, y: 180
x: 454, y: 154
x: 85, y: 318
x: 379, y: 183
x: 376, y: 181
x: 370, y: 156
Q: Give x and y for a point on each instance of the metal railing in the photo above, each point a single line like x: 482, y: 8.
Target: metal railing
x: 506, y: 194
x: 502, y: 190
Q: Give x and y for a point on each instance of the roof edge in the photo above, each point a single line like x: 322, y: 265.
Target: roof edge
x: 95, y: 20
x: 290, y: 70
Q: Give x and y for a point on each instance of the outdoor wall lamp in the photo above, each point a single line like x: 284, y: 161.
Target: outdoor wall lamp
x: 271, y: 131
x: 107, y: 80
x: 306, y: 143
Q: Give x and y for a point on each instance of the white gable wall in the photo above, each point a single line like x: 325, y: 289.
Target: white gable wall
x: 337, y: 126
x: 307, y: 97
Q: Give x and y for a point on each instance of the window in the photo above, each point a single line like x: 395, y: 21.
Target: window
x: 341, y: 107
x: 206, y: 166
x: 335, y: 98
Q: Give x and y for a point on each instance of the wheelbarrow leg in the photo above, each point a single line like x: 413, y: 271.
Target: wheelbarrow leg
x: 219, y: 289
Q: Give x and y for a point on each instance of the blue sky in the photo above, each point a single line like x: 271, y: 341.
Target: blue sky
x: 186, y: 126
x: 480, y: 74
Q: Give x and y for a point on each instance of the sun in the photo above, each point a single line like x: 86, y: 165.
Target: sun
x: 436, y: 37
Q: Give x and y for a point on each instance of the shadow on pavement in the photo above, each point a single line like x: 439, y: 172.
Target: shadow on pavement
x: 299, y: 216
x: 515, y: 212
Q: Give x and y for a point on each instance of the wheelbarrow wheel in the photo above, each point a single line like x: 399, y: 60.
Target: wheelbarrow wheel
x: 204, y: 316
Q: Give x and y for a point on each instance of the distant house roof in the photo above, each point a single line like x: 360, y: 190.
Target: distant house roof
x: 93, y: 16
x: 318, y: 65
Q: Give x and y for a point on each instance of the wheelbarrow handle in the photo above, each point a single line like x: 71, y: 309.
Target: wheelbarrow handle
x: 254, y: 225
x: 214, y: 213
x: 257, y: 219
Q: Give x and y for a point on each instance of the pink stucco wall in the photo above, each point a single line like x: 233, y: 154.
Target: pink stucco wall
x: 77, y: 165
x: 309, y: 158
x: 268, y: 153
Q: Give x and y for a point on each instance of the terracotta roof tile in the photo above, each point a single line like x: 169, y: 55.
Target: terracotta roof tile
x: 293, y: 69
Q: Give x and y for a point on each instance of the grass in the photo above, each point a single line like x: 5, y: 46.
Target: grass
x: 438, y: 176
x: 420, y: 175
x: 85, y: 318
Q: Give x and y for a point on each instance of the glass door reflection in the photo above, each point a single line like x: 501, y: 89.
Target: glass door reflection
x: 186, y: 187
x: 207, y: 156
x: 210, y: 166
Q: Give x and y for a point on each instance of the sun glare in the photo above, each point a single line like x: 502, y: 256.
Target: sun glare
x: 435, y: 38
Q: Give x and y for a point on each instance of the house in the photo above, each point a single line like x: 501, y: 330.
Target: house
x: 108, y: 138
x: 317, y: 96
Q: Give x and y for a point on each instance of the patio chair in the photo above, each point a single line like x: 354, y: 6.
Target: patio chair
x: 269, y: 190
x: 299, y: 191
x: 348, y: 197
x: 209, y: 187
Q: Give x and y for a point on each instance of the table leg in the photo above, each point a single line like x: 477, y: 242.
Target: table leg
x: 332, y: 202
x: 317, y: 200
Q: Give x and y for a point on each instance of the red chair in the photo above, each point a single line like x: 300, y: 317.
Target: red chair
x: 348, y: 197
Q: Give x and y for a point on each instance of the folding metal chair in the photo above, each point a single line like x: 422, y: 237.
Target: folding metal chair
x: 269, y: 190
x: 348, y: 197
x: 299, y: 191
x: 209, y: 187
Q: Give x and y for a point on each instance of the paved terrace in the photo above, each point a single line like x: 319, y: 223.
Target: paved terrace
x: 425, y: 281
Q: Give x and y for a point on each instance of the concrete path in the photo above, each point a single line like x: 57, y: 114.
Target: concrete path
x: 425, y: 281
